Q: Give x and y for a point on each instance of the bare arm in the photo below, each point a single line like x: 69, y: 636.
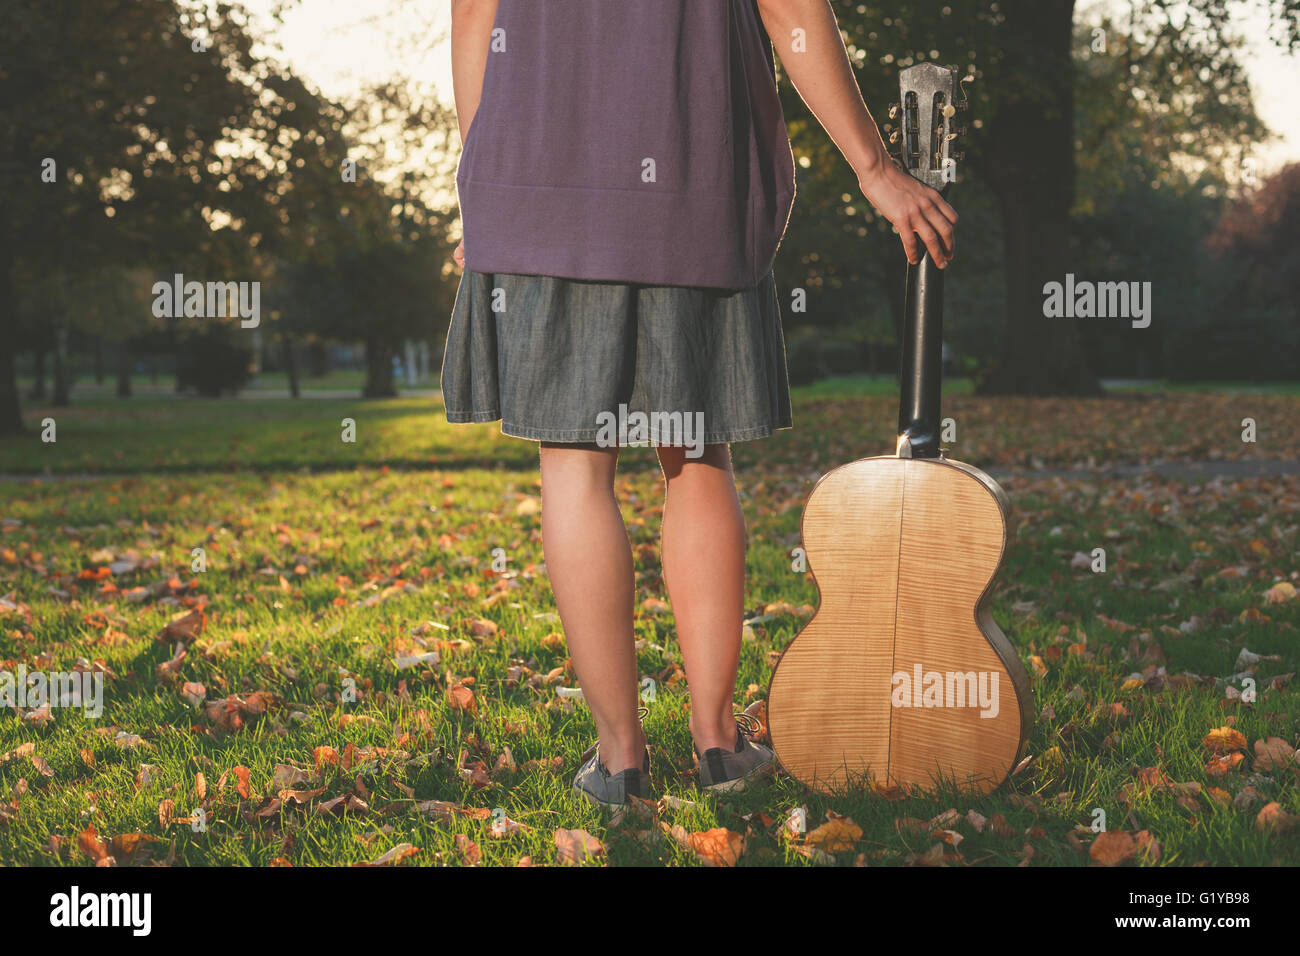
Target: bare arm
x: 471, y: 31
x: 823, y: 76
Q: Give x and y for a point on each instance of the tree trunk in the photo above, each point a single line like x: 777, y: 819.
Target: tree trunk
x: 37, y: 391
x: 123, y: 370
x: 1031, y: 169
x: 291, y: 366
x: 62, y: 389
x: 11, y: 414
x: 379, y: 370
x: 318, y: 360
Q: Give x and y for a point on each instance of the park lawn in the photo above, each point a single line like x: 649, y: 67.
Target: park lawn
x: 834, y: 422
x: 317, y: 581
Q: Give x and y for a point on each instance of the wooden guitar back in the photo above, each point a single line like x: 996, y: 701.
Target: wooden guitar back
x: 902, y: 677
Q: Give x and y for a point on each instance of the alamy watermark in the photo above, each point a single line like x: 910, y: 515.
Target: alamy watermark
x: 208, y: 300
x: 674, y: 429
x: 1082, y: 299
x: 77, y: 909
x: 84, y: 689
x: 922, y: 688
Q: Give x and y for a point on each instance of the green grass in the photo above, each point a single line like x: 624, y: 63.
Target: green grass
x: 294, y: 553
x: 835, y: 421
x: 164, y: 384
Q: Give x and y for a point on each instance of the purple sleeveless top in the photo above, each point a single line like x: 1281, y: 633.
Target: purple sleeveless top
x: 636, y: 141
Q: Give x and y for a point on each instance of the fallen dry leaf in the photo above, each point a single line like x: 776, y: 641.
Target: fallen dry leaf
x: 1219, y: 766
x: 461, y: 697
x: 1274, y: 753
x: 576, y: 846
x: 396, y: 855
x: 1279, y: 593
x: 468, y: 850
x: 287, y: 776
x: 1273, y: 818
x: 1224, y: 740
x: 1115, y: 847
x: 836, y: 836
x: 716, y: 847
x: 90, y: 844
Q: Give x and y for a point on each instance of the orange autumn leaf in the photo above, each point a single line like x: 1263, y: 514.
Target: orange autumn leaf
x: 1224, y: 740
x: 1115, y: 847
x: 1219, y: 795
x: 184, y: 627
x: 719, y: 846
x: 836, y: 836
x: 125, y: 845
x: 1273, y: 818
x: 1153, y: 777
x: 324, y: 755
x: 468, y: 850
x: 1224, y: 764
x: 888, y: 791
x: 1280, y: 593
x: 242, y: 775
x: 576, y: 846
x: 460, y: 697
x: 482, y: 627
x: 95, y: 848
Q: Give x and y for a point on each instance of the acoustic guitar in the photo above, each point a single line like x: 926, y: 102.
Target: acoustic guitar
x: 902, y: 678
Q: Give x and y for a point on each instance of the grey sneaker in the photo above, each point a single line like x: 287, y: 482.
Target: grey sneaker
x: 604, y: 789
x: 730, y: 770
x: 599, y: 786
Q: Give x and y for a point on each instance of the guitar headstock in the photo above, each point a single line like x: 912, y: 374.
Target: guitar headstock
x: 925, y: 127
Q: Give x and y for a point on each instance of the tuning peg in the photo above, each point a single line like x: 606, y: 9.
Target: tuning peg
x: 894, y: 110
x: 895, y: 136
x: 950, y: 111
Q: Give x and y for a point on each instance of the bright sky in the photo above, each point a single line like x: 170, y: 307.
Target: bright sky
x: 341, y: 45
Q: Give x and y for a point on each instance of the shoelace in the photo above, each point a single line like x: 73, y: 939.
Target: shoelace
x: 749, y: 725
x: 641, y: 714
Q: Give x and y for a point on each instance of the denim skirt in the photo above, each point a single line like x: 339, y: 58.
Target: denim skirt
x: 572, y: 360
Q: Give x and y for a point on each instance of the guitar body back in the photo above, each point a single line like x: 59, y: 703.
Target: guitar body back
x: 902, y: 677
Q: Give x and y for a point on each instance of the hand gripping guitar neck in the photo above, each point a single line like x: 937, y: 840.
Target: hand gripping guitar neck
x: 902, y: 678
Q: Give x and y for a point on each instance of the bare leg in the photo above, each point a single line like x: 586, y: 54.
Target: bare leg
x: 589, y: 562
x: 704, y: 567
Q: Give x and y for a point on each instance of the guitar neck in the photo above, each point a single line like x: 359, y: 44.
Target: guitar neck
x: 922, y: 363
x: 927, y: 105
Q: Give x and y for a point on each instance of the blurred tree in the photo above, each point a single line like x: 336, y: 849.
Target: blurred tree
x: 379, y: 270
x: 1260, y: 233
x: 1174, y: 74
x: 145, y: 132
